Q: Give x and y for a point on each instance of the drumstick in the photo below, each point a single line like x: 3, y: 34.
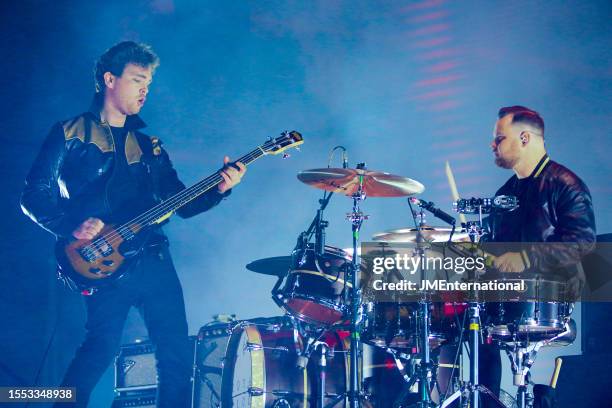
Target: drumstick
x: 453, y: 187
x: 555, y: 377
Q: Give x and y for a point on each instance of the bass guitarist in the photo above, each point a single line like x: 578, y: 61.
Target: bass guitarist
x: 99, y: 168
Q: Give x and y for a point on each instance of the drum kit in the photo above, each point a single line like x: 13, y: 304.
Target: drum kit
x: 314, y: 356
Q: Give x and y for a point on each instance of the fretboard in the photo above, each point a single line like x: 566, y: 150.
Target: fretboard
x: 181, y: 198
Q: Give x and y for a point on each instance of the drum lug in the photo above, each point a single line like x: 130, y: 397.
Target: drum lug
x: 255, y: 392
x: 253, y: 346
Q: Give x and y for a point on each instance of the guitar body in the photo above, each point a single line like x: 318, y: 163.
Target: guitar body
x: 92, y: 264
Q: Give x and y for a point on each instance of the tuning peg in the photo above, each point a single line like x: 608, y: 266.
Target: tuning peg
x: 286, y: 155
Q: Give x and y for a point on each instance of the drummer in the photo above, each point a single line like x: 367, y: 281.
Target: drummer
x: 554, y: 206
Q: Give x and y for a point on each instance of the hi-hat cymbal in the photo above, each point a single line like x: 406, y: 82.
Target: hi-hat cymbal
x: 275, y: 266
x: 430, y: 234
x: 346, y: 181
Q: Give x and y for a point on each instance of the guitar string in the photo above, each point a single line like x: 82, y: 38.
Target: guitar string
x: 186, y: 195
x: 110, y: 238
x: 159, y: 210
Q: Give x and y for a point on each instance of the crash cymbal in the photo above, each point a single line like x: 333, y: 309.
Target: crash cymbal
x: 430, y: 234
x: 275, y: 266
x: 346, y: 181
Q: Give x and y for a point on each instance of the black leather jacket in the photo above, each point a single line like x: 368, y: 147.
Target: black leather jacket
x: 555, y: 218
x: 69, y: 179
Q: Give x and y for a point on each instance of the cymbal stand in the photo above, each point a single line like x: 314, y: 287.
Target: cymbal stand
x: 356, y: 217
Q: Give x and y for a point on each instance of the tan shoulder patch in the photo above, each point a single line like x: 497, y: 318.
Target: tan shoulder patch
x: 133, y: 152
x: 86, y: 131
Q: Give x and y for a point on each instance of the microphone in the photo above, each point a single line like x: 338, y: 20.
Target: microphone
x: 430, y: 206
x: 344, y: 159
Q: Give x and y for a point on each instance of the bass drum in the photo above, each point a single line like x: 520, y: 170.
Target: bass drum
x: 261, y: 367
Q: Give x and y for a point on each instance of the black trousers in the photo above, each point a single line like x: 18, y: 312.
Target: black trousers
x: 152, y: 286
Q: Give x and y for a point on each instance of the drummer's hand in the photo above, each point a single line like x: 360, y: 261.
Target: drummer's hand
x: 510, y: 262
x: 230, y: 174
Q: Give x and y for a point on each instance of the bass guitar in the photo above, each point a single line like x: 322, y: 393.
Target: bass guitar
x: 88, y: 265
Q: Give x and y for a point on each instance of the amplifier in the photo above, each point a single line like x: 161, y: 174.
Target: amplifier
x: 210, y: 351
x: 141, y: 400
x: 135, y: 369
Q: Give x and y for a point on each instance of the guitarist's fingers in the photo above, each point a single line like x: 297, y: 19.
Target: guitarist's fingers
x: 88, y: 229
x: 94, y: 224
x: 225, y: 184
x: 226, y: 160
x: 241, y: 166
x: 226, y: 178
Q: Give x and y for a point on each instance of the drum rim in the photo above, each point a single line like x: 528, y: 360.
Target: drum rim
x: 340, y: 308
x: 328, y: 249
x: 258, y: 363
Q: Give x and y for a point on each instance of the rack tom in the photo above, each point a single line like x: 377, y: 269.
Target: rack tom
x: 316, y: 286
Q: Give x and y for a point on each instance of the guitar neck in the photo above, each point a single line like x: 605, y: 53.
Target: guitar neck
x: 173, y: 203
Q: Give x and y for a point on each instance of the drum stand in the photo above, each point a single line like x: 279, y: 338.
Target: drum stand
x: 354, y: 393
x: 423, y: 373
x: 356, y: 217
x: 473, y: 389
x: 522, y: 356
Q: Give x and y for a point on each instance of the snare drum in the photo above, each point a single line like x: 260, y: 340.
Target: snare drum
x: 539, y: 313
x: 316, y: 286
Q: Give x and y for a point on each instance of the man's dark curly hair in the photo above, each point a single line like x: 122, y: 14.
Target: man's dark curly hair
x: 118, y: 56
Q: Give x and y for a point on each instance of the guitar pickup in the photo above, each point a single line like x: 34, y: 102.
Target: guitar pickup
x: 103, y: 247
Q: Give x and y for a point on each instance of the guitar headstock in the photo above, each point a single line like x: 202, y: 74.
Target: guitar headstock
x: 283, y: 142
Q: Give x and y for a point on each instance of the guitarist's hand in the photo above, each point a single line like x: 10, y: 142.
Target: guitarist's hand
x: 231, y: 175
x: 88, y: 229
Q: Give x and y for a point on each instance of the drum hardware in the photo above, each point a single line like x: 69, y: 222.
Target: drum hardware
x: 323, y: 350
x: 431, y: 207
x: 486, y: 205
x: 356, y: 217
x: 424, y: 369
x: 522, y: 355
x: 301, y: 305
x: 358, y: 184
x: 473, y: 388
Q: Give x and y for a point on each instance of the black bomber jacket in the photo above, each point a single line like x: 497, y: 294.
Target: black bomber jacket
x: 555, y: 221
x: 68, y: 180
